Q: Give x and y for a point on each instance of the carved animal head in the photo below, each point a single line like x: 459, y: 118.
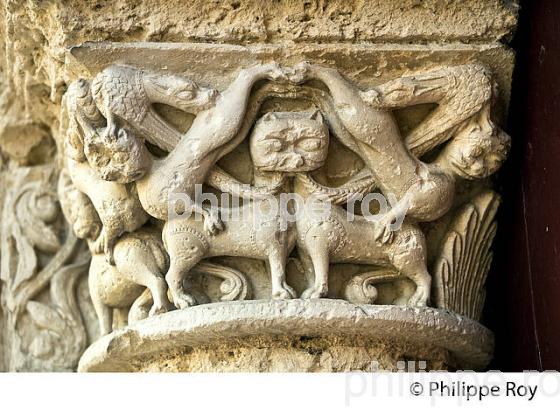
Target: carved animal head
x: 122, y: 158
x: 180, y: 92
x: 80, y: 115
x: 479, y: 147
x: 289, y: 142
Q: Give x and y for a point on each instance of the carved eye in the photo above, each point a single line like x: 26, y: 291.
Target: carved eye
x: 475, y: 129
x: 310, y: 144
x: 185, y: 95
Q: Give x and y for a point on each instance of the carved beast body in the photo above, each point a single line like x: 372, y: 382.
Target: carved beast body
x: 341, y: 239
x: 124, y: 93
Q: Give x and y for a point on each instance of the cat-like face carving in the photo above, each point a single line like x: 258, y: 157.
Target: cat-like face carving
x: 479, y: 148
x: 289, y: 142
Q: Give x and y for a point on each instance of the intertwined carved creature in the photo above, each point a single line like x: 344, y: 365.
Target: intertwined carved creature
x: 108, y: 121
x: 367, y: 126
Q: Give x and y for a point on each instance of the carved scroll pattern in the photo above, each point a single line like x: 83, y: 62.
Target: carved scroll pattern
x: 42, y: 263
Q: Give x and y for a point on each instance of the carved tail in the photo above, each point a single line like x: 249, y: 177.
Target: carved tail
x: 234, y: 285
x: 360, y: 184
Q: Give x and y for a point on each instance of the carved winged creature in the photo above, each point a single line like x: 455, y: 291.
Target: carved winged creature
x: 111, y: 118
x: 116, y: 204
x: 125, y: 95
x: 104, y: 124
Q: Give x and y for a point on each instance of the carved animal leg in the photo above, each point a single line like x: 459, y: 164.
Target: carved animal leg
x: 141, y: 307
x: 111, y: 130
x: 158, y: 289
x: 410, y: 260
x: 185, y: 249
x: 104, y: 312
x: 307, y: 264
x: 423, y: 281
x: 212, y: 221
x: 317, y: 246
x: 277, y: 264
x: 120, y: 318
x: 135, y: 264
x: 109, y: 240
x: 178, y: 268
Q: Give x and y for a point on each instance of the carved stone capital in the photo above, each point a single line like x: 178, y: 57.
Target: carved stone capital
x: 309, y: 194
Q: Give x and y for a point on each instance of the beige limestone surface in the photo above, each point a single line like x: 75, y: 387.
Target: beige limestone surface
x: 47, y: 319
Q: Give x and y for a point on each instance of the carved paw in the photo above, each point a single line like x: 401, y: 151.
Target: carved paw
x: 182, y: 300
x: 382, y: 230
x: 111, y: 132
x: 98, y: 246
x: 158, y: 309
x: 212, y: 222
x: 420, y: 297
x: 315, y: 292
x: 285, y: 292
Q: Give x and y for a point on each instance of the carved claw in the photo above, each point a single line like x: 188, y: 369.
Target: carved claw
x: 382, y: 230
x: 315, y: 292
x: 212, y: 222
x: 111, y: 132
x: 420, y: 297
x: 158, y: 309
x: 285, y: 292
x: 98, y: 245
x: 181, y: 299
x: 422, y: 294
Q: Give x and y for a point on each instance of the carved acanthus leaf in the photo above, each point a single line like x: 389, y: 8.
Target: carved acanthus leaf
x: 461, y: 270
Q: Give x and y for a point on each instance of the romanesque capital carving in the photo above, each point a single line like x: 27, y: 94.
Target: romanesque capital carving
x: 291, y: 181
x: 117, y: 169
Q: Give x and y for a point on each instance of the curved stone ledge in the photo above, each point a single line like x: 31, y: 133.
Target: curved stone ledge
x: 465, y: 343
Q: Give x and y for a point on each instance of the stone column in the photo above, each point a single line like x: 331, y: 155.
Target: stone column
x: 337, y: 99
